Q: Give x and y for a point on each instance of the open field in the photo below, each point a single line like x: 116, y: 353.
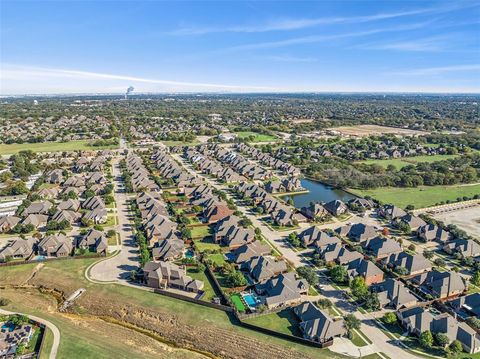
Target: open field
x: 258, y: 136
x: 406, y: 161
x: 180, y: 143
x: 51, y: 147
x: 166, y: 319
x: 467, y: 219
x: 47, y: 344
x: 420, y: 197
x: 369, y: 130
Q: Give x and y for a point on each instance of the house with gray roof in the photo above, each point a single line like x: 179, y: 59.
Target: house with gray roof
x: 248, y: 251
x: 357, y: 232
x: 413, y: 263
x: 389, y: 211
x: 336, y: 207
x: 18, y: 249
x: 40, y: 207
x: 94, y: 241
x: 263, y: 268
x: 282, y: 290
x: 393, y: 294
x: 168, y: 249
x: 430, y: 232
x: 8, y: 222
x: 380, y: 247
x: 57, y: 245
x: 317, y: 325
x: 468, y: 304
x: 418, y: 320
x: 466, y: 247
x: 441, y: 284
x: 366, y: 269
x: 412, y: 221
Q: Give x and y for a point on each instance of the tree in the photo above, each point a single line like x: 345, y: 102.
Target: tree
x: 476, y: 278
x: 294, y: 240
x: 371, y: 301
x: 351, y: 322
x: 412, y: 247
x: 235, y: 278
x: 358, y: 287
x: 18, y: 320
x: 441, y: 339
x: 426, y: 339
x: 428, y: 254
x: 473, y: 322
x: 439, y: 262
x: 338, y: 273
x: 309, y: 274
x: 401, y: 270
x: 389, y: 318
x: 324, y: 303
x: 455, y: 347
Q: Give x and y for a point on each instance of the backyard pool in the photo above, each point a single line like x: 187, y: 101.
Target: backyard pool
x: 189, y: 254
x: 8, y: 326
x: 251, y: 299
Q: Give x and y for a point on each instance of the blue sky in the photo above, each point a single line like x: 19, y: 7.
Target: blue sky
x: 239, y: 46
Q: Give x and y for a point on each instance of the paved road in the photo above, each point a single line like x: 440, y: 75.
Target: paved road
x: 49, y: 325
x: 381, y: 343
x: 118, y: 267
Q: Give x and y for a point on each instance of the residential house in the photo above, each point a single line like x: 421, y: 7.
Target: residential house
x: 413, y: 263
x: 430, y: 232
x: 57, y: 245
x: 8, y: 222
x: 380, y: 247
x: 466, y: 247
x: 366, y: 269
x: 282, y: 290
x: 468, y: 304
x: 441, y: 285
x: 392, y: 293
x: 314, y: 211
x: 336, y: 207
x: 391, y: 212
x: 248, y: 251
x: 40, y: 207
x: 357, y: 232
x: 263, y: 268
x: 168, y: 274
x: 94, y: 241
x: 168, y: 249
x: 317, y: 325
x: 18, y: 249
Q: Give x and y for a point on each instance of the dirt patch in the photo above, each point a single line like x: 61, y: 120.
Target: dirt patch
x: 369, y: 130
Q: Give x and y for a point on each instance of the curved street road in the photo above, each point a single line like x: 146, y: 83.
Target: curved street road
x: 49, y: 325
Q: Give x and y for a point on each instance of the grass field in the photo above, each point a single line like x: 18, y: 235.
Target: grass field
x: 208, y: 245
x: 237, y: 302
x: 403, y: 162
x: 200, y: 232
x: 283, y: 322
x: 258, y: 136
x: 217, y: 258
x: 47, y: 344
x: 90, y: 337
x: 207, y: 286
x: 420, y: 197
x: 51, y: 147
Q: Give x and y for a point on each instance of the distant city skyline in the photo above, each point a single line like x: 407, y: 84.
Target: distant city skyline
x: 53, y: 47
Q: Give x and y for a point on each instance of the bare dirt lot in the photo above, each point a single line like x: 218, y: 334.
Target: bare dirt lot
x: 369, y: 130
x: 467, y: 219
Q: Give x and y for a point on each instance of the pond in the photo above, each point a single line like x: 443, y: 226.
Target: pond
x: 318, y: 192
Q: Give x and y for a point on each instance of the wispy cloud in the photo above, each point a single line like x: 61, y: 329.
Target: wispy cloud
x: 288, y: 58
x: 302, y: 23
x: 427, y: 71
x: 19, y: 73
x: 436, y: 43
x: 321, y: 38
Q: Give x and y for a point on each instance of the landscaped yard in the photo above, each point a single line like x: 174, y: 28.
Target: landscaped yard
x: 200, y: 232
x: 208, y: 287
x: 217, y: 258
x: 284, y: 322
x: 203, y: 245
x: 420, y: 197
x: 52, y: 147
x: 237, y: 302
x: 258, y: 136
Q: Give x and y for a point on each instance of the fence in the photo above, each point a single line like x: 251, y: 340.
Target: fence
x: 287, y: 336
x: 16, y: 263
x: 193, y: 300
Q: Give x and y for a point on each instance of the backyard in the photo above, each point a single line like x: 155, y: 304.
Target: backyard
x: 285, y: 322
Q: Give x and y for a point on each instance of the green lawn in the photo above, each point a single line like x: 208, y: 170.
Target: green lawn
x: 283, y: 322
x: 180, y: 143
x: 203, y: 245
x: 51, y: 147
x: 258, y: 136
x: 217, y: 258
x: 237, y: 302
x: 47, y: 344
x: 406, y: 161
x: 207, y: 288
x: 200, y: 232
x: 420, y: 197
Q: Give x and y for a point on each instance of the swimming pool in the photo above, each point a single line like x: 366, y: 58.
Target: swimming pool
x: 251, y: 300
x: 189, y: 254
x: 8, y: 326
